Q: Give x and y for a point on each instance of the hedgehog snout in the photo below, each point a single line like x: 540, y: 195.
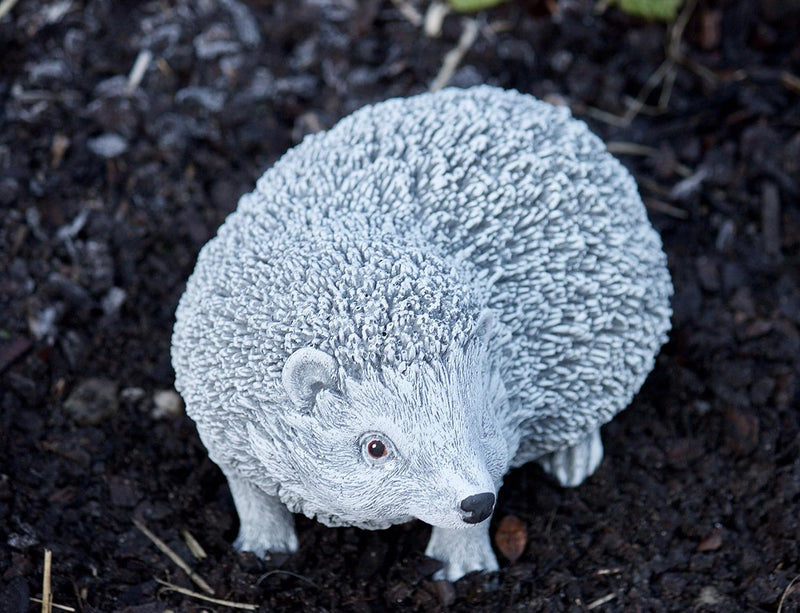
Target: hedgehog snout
x: 477, y: 507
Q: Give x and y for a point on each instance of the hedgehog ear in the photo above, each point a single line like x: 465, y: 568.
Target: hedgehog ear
x: 307, y: 372
x: 484, y: 325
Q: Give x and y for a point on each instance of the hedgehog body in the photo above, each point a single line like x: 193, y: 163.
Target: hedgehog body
x: 433, y: 291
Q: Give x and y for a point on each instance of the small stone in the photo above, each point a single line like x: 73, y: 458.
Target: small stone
x: 712, y: 542
x: 92, y: 402
x: 244, y: 22
x: 9, y: 190
x: 215, y: 42
x: 15, y: 595
x: 168, y: 405
x: 209, y: 99
x: 122, y: 492
x: 108, y: 145
x: 446, y: 592
x: 708, y: 273
x: 132, y: 394
x: 42, y: 325
x: 47, y: 71
x: 113, y: 300
x: 709, y: 596
x: 25, y: 537
x: 741, y: 430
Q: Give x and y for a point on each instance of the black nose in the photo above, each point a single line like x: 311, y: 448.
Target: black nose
x: 477, y: 507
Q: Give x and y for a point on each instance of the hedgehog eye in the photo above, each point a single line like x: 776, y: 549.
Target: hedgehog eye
x: 376, y: 448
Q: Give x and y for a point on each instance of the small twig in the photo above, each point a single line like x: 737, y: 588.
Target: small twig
x: 791, y: 82
x: 666, y: 89
x: 62, y: 607
x: 194, y: 546
x: 409, y: 12
x: 139, y: 68
x: 284, y: 572
x: 5, y: 6
x: 199, y: 596
x: 47, y: 595
x: 627, y: 148
x: 434, y: 18
x: 196, y: 579
x: 455, y: 55
x: 654, y: 204
x: 652, y: 82
x: 678, y: 28
x: 600, y: 601
x: 664, y: 76
x: 604, y: 116
x: 786, y: 592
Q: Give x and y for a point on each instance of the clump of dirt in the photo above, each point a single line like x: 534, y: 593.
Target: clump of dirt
x: 127, y: 133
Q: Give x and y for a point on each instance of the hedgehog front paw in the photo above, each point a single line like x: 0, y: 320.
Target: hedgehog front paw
x: 461, y: 551
x: 572, y: 465
x: 266, y: 525
x: 263, y: 544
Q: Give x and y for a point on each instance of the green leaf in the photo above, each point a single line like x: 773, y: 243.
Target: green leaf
x: 665, y: 10
x: 470, y: 6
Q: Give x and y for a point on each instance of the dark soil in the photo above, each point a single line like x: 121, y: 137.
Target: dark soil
x: 109, y: 188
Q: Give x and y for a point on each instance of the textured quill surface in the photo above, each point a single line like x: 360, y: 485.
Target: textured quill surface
x: 381, y: 242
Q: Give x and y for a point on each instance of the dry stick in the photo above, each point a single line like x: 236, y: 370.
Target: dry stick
x: 434, y: 18
x: 197, y: 579
x: 786, y: 592
x: 409, y: 12
x: 194, y: 546
x: 284, y: 572
x: 62, y: 607
x: 47, y: 595
x: 664, y: 75
x: 791, y: 82
x: 455, y: 55
x: 5, y: 6
x: 600, y: 601
x: 627, y: 148
x: 227, y: 603
x: 139, y: 68
x: 652, y: 82
x: 654, y: 204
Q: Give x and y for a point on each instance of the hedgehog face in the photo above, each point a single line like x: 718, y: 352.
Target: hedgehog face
x: 388, y: 447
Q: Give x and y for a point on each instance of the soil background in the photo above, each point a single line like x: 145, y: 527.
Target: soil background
x: 129, y: 129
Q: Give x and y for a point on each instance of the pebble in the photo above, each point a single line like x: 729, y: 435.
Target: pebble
x: 15, y: 595
x: 42, y: 325
x: 108, y: 145
x: 214, y: 42
x: 92, y: 402
x: 47, y: 71
x: 208, y: 98
x: 244, y: 22
x: 132, y: 394
x: 113, y: 300
x: 168, y: 405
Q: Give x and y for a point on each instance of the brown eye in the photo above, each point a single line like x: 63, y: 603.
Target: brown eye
x: 376, y: 449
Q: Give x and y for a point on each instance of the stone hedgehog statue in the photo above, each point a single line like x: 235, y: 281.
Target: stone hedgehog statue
x: 435, y: 290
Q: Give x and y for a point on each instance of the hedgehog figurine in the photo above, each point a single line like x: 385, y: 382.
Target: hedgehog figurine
x: 434, y: 291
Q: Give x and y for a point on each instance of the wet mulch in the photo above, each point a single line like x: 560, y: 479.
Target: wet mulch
x: 127, y: 132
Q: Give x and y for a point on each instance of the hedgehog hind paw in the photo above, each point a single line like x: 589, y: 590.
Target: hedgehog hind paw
x: 461, y: 551
x: 572, y: 465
